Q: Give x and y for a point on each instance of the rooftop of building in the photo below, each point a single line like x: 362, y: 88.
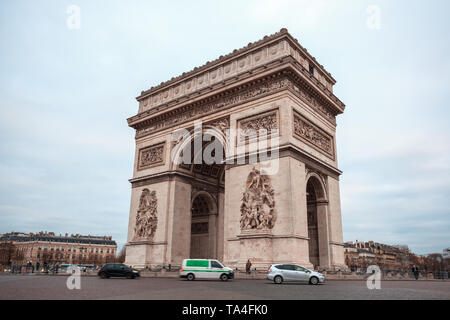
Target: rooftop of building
x: 363, y: 251
x: 51, y: 237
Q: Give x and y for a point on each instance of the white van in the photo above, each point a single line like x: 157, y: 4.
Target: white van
x: 205, y: 269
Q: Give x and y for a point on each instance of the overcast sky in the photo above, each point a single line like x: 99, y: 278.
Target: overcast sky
x: 66, y: 152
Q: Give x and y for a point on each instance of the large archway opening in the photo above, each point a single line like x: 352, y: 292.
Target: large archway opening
x: 205, y: 170
x: 206, y: 162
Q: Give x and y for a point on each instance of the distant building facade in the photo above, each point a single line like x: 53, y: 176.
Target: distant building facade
x: 360, y: 254
x: 43, y: 247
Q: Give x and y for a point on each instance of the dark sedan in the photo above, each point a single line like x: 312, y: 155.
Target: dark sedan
x: 117, y: 270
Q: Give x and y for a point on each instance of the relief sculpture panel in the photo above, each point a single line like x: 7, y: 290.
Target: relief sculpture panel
x: 151, y: 156
x: 258, y: 204
x: 250, y: 127
x: 311, y: 134
x: 146, y: 217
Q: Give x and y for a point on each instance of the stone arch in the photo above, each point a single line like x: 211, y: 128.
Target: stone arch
x: 317, y: 212
x: 215, y: 171
x: 318, y: 183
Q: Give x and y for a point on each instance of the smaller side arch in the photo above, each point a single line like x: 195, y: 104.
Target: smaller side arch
x: 317, y: 219
x: 321, y: 194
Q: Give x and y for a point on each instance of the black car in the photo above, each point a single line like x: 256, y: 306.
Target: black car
x: 117, y: 270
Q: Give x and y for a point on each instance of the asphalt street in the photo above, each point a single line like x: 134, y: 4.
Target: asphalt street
x: 54, y: 287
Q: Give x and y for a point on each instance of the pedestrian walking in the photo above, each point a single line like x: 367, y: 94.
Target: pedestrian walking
x: 248, y: 266
x: 415, y: 271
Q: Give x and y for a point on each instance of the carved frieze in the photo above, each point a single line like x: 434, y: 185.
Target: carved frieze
x: 250, y: 127
x: 220, y: 103
x: 146, y: 217
x: 258, y: 204
x: 224, y: 101
x: 314, y: 103
x: 151, y: 156
x: 313, y: 135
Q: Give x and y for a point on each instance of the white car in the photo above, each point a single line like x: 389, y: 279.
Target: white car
x: 279, y: 273
x: 192, y: 269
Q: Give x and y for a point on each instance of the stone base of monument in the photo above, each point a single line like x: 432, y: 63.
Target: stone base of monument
x: 264, y: 248
x: 143, y: 253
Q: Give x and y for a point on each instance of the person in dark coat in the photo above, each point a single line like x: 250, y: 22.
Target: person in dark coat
x: 415, y: 271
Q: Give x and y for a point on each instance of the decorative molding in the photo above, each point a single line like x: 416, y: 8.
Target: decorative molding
x: 221, y: 124
x: 146, y: 124
x: 307, y: 96
x: 220, y: 102
x: 146, y: 217
x: 249, y: 127
x: 312, y: 135
x: 258, y: 204
x: 165, y: 176
x: 151, y: 156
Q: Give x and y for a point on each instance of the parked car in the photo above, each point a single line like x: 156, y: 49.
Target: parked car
x: 117, y: 270
x: 192, y: 269
x: 279, y: 273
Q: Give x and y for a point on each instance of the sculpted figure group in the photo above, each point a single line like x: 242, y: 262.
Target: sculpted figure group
x: 257, y: 209
x: 146, y: 218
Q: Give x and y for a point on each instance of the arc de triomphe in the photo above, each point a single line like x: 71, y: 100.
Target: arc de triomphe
x: 238, y: 208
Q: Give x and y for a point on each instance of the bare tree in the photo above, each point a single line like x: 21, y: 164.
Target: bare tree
x: 121, y: 256
x: 8, y: 253
x: 435, y: 262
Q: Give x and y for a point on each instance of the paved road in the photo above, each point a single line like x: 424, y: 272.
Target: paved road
x: 54, y: 287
